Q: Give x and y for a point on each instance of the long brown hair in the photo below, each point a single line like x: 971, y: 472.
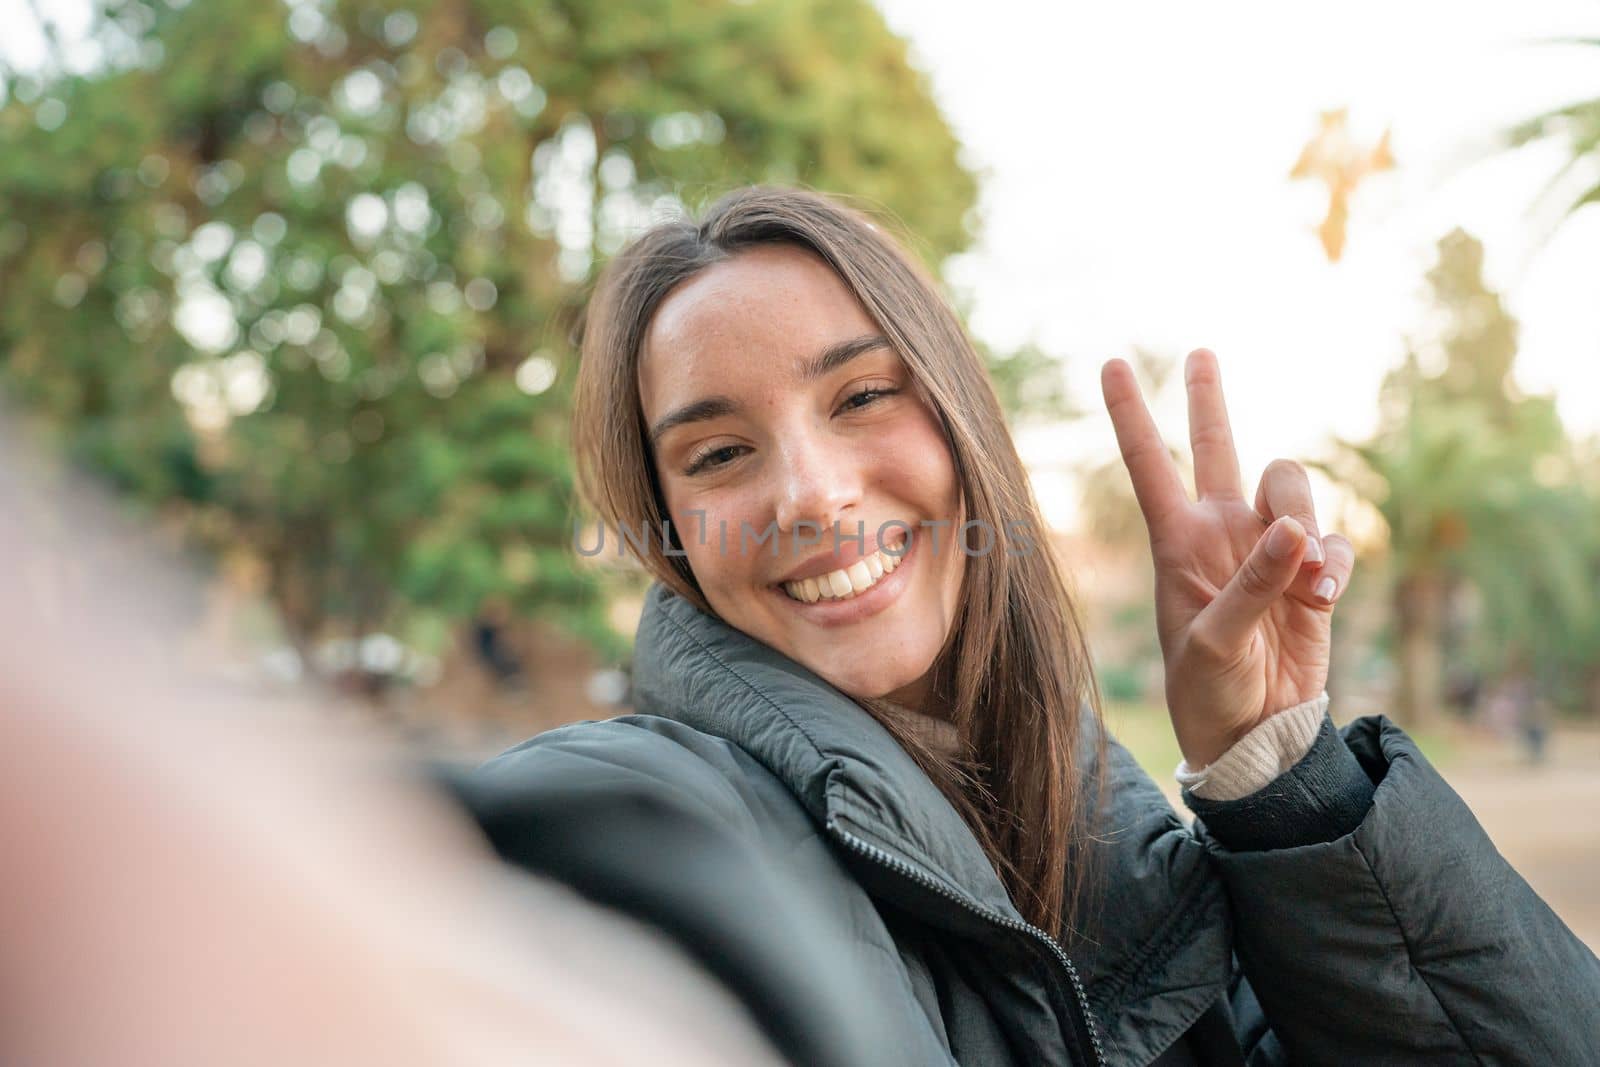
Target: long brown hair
x: 1015, y: 669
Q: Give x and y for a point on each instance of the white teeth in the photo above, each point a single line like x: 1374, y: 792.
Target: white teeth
x: 860, y: 576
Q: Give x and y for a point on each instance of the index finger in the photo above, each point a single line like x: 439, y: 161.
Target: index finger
x: 1155, y: 477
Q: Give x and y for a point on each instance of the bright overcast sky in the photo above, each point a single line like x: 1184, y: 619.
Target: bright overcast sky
x: 1135, y: 159
x: 1136, y: 192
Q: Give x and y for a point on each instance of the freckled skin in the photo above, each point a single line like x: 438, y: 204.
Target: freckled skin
x: 798, y: 452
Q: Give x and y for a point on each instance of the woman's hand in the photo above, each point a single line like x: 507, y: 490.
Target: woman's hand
x: 1244, y: 596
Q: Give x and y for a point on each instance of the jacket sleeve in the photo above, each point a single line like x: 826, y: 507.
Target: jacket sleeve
x: 1376, y: 922
x: 639, y: 824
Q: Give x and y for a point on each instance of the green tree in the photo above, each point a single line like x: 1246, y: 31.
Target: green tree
x: 1466, y: 472
x: 1578, y: 125
x: 1580, y: 645
x: 309, y: 272
x: 1031, y: 385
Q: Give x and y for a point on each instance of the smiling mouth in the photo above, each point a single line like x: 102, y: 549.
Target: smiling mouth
x: 847, y: 582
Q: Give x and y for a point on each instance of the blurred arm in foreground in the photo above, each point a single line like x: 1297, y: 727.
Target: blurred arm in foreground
x: 196, y: 877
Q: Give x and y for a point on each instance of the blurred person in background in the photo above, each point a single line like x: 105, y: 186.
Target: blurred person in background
x: 861, y: 680
x: 1515, y: 708
x: 491, y: 644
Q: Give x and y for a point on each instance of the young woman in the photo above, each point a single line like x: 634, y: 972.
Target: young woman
x: 867, y: 786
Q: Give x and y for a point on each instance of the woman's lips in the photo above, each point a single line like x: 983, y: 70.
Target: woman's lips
x: 862, y: 605
x: 840, y: 559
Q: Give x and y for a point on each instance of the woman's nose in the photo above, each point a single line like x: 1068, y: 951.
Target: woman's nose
x: 817, y: 482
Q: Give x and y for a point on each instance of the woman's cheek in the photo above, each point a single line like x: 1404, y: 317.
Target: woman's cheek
x: 717, y: 534
x: 919, y: 457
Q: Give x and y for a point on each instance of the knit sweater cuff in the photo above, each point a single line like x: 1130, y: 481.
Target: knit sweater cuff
x: 1322, y: 798
x: 1276, y: 744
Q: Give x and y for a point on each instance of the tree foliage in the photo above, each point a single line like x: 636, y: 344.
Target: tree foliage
x: 1478, y: 486
x: 309, y: 272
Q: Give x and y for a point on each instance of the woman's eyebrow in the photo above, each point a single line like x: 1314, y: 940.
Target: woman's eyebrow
x: 711, y: 407
x: 822, y: 364
x: 837, y: 355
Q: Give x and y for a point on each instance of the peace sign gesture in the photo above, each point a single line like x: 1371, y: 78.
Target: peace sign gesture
x: 1244, y: 595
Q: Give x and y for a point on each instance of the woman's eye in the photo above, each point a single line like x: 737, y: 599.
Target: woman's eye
x: 703, y: 461
x: 867, y: 396
x: 711, y: 459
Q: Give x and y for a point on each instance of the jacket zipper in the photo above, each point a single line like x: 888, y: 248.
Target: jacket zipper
x: 1086, y: 1019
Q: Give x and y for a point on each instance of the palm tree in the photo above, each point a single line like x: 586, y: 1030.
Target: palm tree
x: 1578, y: 124
x: 1464, y: 514
x: 1455, y: 471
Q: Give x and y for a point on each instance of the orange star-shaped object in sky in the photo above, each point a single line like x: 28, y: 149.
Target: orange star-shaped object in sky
x: 1335, y: 159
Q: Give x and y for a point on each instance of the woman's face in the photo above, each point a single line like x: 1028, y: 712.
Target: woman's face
x: 771, y: 457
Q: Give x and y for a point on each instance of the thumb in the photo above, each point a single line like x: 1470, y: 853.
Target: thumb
x: 1266, y: 574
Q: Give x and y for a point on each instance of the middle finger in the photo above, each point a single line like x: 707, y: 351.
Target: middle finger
x: 1216, y: 465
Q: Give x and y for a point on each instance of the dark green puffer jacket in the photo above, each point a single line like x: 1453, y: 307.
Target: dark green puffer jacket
x: 1353, y: 911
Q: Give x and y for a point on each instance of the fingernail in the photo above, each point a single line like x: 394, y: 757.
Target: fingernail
x: 1325, y: 590
x: 1284, y: 539
x: 1314, y: 550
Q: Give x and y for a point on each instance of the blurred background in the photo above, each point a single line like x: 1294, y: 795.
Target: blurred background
x: 300, y: 279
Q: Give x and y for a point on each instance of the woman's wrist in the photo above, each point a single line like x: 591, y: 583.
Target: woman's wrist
x: 1270, y: 748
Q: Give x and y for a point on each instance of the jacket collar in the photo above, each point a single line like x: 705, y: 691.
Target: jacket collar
x: 1166, y: 934
x: 845, y: 768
